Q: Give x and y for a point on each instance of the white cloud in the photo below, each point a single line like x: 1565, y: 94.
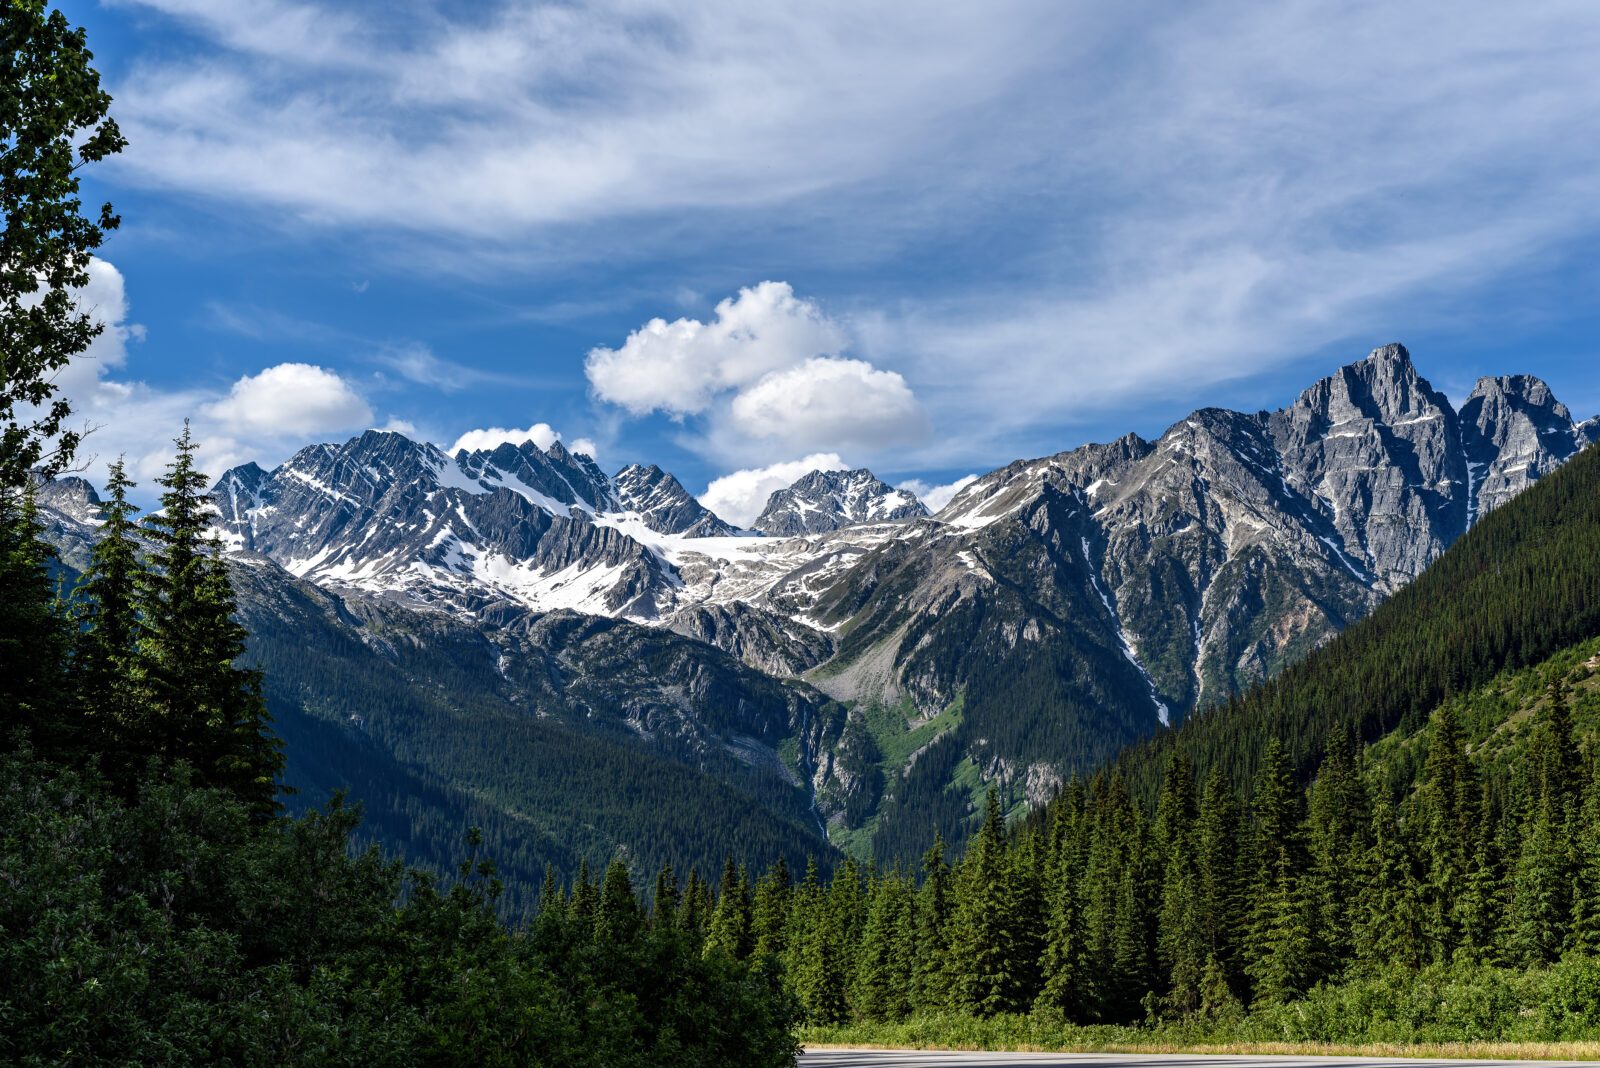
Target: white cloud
x: 740, y: 496
x: 396, y: 425
x: 541, y: 434
x: 765, y: 376
x: 586, y: 446
x: 1159, y: 203
x: 533, y: 114
x: 679, y: 367
x: 846, y: 403
x: 292, y: 399
x: 937, y: 496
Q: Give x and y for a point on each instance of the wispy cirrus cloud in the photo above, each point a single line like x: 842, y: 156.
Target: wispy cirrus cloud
x: 1105, y: 202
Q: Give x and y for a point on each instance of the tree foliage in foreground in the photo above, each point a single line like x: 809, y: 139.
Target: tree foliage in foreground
x: 158, y: 909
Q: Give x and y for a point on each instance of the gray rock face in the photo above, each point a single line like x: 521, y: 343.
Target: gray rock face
x: 762, y: 639
x: 664, y: 505
x: 1514, y: 432
x: 1377, y: 452
x: 828, y: 500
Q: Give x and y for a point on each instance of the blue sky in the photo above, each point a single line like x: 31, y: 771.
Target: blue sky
x: 928, y: 239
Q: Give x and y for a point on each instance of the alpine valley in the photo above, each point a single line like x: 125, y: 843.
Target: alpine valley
x: 578, y: 662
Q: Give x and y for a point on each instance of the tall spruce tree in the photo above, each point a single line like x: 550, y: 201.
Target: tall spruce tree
x: 109, y: 672
x: 1068, y: 973
x: 34, y: 638
x: 1181, y: 936
x: 729, y: 931
x: 934, y: 905
x: 202, y: 708
x: 986, y: 976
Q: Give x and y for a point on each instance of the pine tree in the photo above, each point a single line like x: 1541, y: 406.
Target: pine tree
x: 1541, y: 888
x: 770, y: 912
x: 34, y: 637
x: 1449, y: 806
x: 1279, y: 951
x: 932, y: 950
x: 106, y: 663
x: 1338, y: 820
x: 729, y: 930
x: 1584, y: 937
x: 203, y: 708
x: 819, y: 955
x: 880, y: 989
x: 692, y: 913
x: 617, y: 920
x: 664, y: 914
x: 584, y: 901
x: 1391, y: 926
x: 984, y: 970
x: 1069, y: 975
x: 1181, y: 937
x: 1217, y: 838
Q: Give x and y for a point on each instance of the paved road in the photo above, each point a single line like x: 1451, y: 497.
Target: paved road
x: 881, y: 1058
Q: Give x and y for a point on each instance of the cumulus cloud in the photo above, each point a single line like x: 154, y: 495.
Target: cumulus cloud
x: 936, y: 496
x: 541, y: 434
x: 679, y: 367
x: 846, y: 402
x: 740, y: 496
x: 586, y: 446
x: 764, y: 375
x: 292, y: 399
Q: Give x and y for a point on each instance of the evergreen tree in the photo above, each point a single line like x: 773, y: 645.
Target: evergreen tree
x: 109, y: 675
x: 617, y: 921
x: 664, y: 913
x: 1280, y: 951
x: 1584, y: 936
x: 203, y: 708
x: 692, y: 911
x: 881, y: 986
x: 1181, y: 936
x: 584, y: 902
x: 1337, y: 821
x: 935, y: 902
x: 1541, y: 889
x: 770, y: 912
x: 729, y: 932
x: 1217, y: 837
x: 34, y: 687
x: 1069, y: 975
x: 985, y: 973
x: 53, y: 120
x: 1391, y: 924
x: 1449, y: 805
x: 820, y: 967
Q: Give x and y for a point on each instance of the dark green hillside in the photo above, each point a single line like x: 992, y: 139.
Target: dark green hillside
x: 1523, y: 584
x: 416, y: 718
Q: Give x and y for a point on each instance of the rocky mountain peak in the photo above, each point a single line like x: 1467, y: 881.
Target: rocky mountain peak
x: 828, y: 500
x: 664, y: 505
x: 71, y: 496
x: 1514, y: 431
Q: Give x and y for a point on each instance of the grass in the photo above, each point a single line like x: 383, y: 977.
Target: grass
x: 1511, y: 1051
x: 1028, y: 1035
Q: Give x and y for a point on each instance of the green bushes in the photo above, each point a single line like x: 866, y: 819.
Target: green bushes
x: 174, y: 928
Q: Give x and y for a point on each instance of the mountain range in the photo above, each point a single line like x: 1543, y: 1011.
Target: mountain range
x: 853, y: 668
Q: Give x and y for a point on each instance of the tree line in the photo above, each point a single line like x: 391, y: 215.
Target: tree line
x: 1223, y: 899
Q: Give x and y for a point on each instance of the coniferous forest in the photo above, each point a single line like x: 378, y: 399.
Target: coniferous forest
x: 1396, y: 840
